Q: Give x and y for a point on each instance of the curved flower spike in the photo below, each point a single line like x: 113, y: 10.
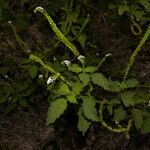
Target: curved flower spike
x: 57, y: 31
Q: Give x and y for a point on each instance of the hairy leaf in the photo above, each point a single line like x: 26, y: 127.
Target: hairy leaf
x: 83, y: 124
x: 146, y: 126
x: 72, y: 99
x: 75, y: 68
x: 131, y: 83
x: 32, y: 71
x: 128, y: 98
x: 77, y: 87
x: 90, y: 69
x: 64, y: 90
x: 137, y: 117
x: 119, y: 114
x: 100, y: 80
x: 85, y: 78
x: 89, y: 109
x: 56, y: 109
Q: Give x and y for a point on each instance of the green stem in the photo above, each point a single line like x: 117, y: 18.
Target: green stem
x: 117, y: 130
x: 137, y: 50
x: 22, y: 44
x: 57, y: 31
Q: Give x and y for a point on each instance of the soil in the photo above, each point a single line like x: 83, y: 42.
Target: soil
x: 27, y: 130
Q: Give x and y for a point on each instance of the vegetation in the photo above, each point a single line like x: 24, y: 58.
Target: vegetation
x: 62, y: 70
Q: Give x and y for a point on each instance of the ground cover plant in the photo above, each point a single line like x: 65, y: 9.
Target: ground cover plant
x: 66, y: 78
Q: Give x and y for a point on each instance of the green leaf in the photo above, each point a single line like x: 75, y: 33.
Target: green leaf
x: 146, y: 126
x: 32, y: 71
x: 23, y: 103
x: 75, y: 68
x: 131, y: 83
x: 77, y: 87
x: 89, y: 109
x: 56, y: 109
x: 90, y: 69
x: 100, y: 80
x: 119, y: 114
x: 72, y: 99
x: 137, y: 117
x: 83, y: 124
x: 122, y: 9
x: 85, y: 78
x: 114, y: 86
x: 110, y: 109
x: 64, y: 90
x: 146, y: 4
x: 4, y: 98
x: 128, y: 98
x: 82, y: 38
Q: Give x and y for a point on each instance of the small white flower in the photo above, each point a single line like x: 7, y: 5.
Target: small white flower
x: 50, y: 80
x: 28, y: 50
x: 41, y: 76
x: 66, y: 62
x: 107, y: 55
x: 149, y: 103
x: 6, y: 76
x: 39, y: 8
x: 97, y: 54
x: 9, y: 22
x: 116, y: 122
x: 9, y: 98
x: 54, y: 58
x: 81, y: 57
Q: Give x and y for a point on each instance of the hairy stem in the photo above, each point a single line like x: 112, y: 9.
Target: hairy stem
x: 137, y: 50
x: 117, y: 130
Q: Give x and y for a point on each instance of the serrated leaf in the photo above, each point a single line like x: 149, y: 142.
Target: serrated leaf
x: 32, y: 71
x: 128, y: 98
x: 114, y: 86
x: 122, y: 9
x: 77, y: 87
x: 23, y: 103
x: 146, y: 4
x: 72, y: 99
x: 64, y: 90
x: 100, y: 80
x: 85, y: 78
x: 83, y: 124
x: 146, y: 126
x: 56, y: 109
x: 137, y: 117
x: 75, y: 68
x: 131, y: 83
x: 110, y: 109
x: 89, y: 109
x: 90, y: 69
x: 119, y: 114
x: 82, y: 38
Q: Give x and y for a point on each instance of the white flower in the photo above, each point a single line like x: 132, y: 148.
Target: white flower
x: 107, y: 55
x: 54, y: 58
x: 97, y: 54
x: 9, y: 22
x: 149, y: 103
x: 50, y: 80
x: 81, y: 57
x: 6, y: 76
x: 39, y: 8
x: 66, y: 62
x: 41, y: 76
x: 116, y: 122
x: 28, y: 50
